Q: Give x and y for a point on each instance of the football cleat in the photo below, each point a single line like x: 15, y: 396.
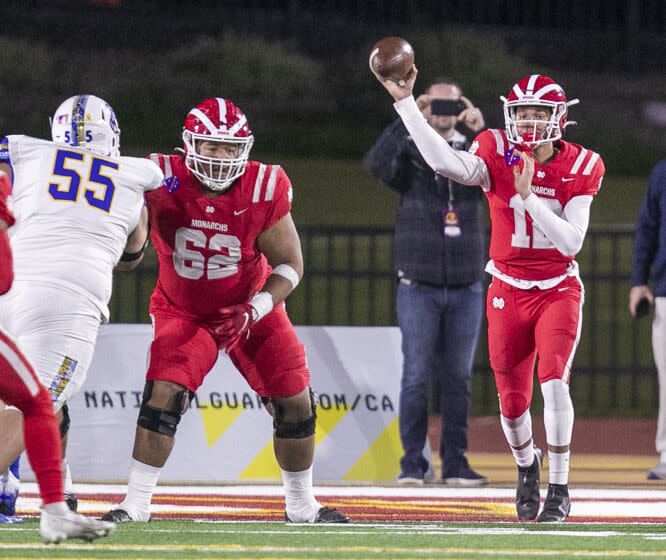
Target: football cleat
x: 527, y: 492
x: 9, y: 489
x: 122, y: 516
x: 658, y: 473
x: 324, y: 515
x: 557, y: 506
x: 72, y: 502
x: 58, y: 527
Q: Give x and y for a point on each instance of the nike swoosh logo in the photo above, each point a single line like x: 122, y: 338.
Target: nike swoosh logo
x: 567, y: 179
x: 239, y: 212
x: 562, y: 289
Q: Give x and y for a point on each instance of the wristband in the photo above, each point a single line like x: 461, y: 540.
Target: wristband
x: 262, y: 305
x: 288, y: 272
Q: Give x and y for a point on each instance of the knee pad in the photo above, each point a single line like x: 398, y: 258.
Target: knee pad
x: 294, y: 430
x: 160, y: 421
x: 513, y: 404
x: 65, y: 422
x: 517, y: 431
x: 558, y: 412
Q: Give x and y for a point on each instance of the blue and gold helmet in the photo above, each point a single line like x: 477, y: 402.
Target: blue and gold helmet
x: 86, y: 121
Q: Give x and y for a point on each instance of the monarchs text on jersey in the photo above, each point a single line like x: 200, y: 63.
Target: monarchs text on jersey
x: 518, y: 247
x: 74, y: 210
x: 206, y: 245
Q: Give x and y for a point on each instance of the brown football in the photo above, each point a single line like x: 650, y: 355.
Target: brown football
x: 392, y: 58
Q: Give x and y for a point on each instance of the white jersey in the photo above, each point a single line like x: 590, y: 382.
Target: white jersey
x: 74, y: 210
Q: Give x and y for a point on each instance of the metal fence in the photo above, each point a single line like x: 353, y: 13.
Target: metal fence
x: 349, y: 280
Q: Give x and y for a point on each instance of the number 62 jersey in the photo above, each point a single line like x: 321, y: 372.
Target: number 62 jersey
x: 518, y: 248
x: 206, y: 242
x: 74, y: 209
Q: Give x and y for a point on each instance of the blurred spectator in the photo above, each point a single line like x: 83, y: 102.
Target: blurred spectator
x: 650, y: 255
x: 438, y: 256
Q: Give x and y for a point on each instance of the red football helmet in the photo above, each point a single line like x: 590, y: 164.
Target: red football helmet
x: 217, y: 120
x: 536, y: 90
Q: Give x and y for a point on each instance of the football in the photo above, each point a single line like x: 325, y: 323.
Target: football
x: 392, y: 58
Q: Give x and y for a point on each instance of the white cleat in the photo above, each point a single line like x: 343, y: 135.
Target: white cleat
x: 61, y: 526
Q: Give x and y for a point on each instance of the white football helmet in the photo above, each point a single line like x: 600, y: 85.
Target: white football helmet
x: 86, y: 121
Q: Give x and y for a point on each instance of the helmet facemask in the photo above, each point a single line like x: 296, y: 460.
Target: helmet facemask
x: 536, y: 91
x: 553, y: 127
x: 216, y: 173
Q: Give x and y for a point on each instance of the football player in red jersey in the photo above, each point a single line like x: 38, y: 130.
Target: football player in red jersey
x: 539, y: 189
x: 20, y: 387
x: 229, y: 255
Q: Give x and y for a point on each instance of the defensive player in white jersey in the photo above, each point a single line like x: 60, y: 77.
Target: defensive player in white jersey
x: 539, y: 189
x: 79, y: 210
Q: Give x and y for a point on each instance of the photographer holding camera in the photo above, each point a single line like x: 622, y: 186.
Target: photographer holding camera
x: 650, y: 256
x: 439, y: 259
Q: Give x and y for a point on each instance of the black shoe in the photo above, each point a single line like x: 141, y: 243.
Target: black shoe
x: 118, y: 516
x: 527, y: 492
x: 325, y: 515
x: 557, y: 506
x: 72, y: 502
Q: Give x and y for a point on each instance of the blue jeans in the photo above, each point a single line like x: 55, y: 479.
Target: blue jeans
x: 440, y: 329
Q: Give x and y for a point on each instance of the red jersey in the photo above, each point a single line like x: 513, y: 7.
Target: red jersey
x: 206, y: 245
x: 517, y: 246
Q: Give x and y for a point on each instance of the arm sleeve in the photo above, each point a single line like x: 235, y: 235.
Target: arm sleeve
x: 646, y: 239
x: 566, y: 232
x: 383, y: 159
x: 458, y: 165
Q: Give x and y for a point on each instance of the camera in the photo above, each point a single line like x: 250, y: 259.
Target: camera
x: 447, y: 107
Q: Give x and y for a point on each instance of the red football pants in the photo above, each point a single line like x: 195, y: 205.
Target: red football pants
x: 20, y: 387
x: 524, y: 324
x: 271, y: 358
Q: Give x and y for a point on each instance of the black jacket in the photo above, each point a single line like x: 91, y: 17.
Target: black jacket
x: 421, y: 250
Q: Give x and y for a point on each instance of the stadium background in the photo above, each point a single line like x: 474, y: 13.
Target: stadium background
x: 299, y: 70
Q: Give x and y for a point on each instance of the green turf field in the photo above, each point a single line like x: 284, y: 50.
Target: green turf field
x: 189, y: 539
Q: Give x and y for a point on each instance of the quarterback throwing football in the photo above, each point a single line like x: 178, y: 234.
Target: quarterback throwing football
x: 229, y: 255
x: 539, y: 189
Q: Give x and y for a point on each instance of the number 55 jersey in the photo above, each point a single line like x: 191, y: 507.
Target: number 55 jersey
x: 206, y: 242
x: 74, y: 209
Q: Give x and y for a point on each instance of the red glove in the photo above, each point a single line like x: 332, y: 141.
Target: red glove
x: 235, y: 321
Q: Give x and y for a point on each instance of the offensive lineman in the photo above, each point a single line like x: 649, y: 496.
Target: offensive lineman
x: 539, y: 190
x: 76, y: 201
x: 229, y: 255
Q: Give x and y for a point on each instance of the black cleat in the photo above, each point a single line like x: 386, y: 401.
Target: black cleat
x: 325, y: 515
x: 72, y: 502
x: 527, y: 492
x: 557, y: 506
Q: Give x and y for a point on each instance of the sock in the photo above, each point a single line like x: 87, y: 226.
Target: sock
x: 14, y: 467
x: 140, y: 488
x: 524, y: 457
x: 42, y: 444
x: 558, y: 468
x: 518, y: 431
x: 56, y: 507
x: 663, y: 457
x: 67, y: 477
x: 301, y: 505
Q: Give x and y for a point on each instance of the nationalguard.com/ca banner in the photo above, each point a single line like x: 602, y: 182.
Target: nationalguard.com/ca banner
x: 227, y: 433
